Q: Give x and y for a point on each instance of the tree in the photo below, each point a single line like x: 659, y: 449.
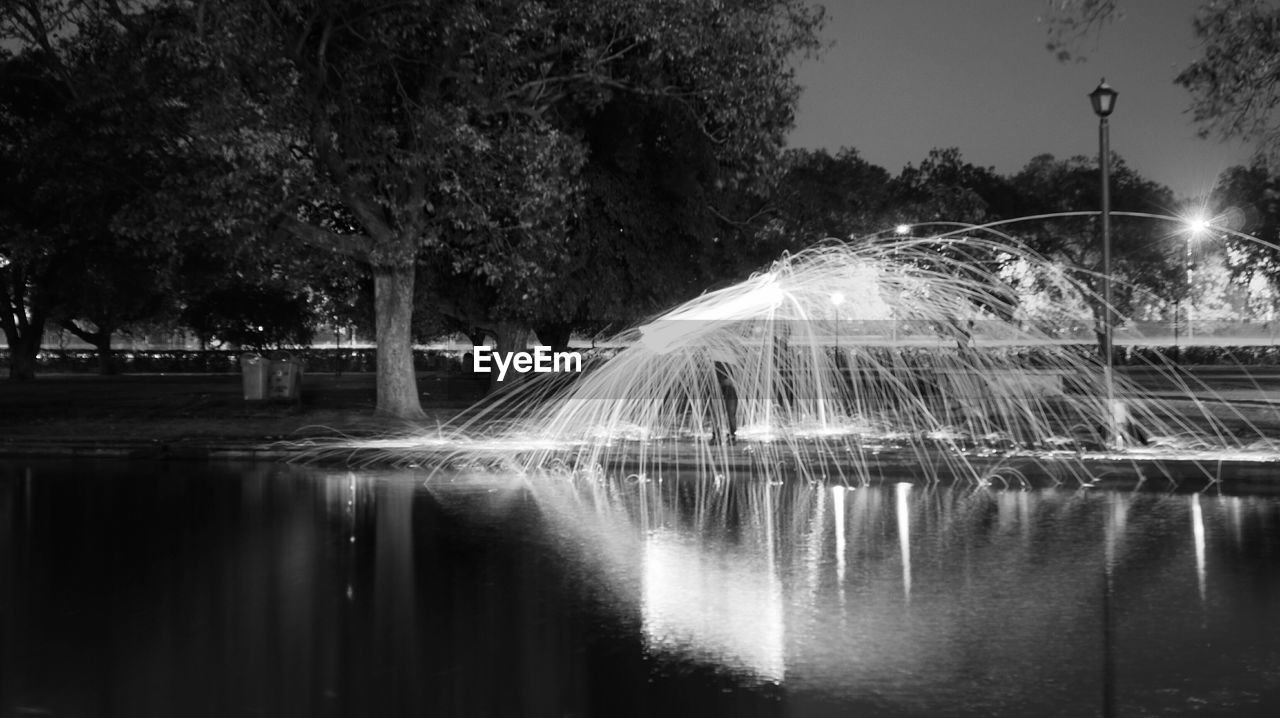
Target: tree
x: 648, y: 225
x: 451, y: 128
x: 259, y: 317
x: 1234, y: 84
x: 455, y: 129
x: 116, y: 289
x: 1142, y: 259
x: 654, y: 219
x: 1247, y: 200
x: 651, y: 225
x: 821, y: 195
x: 944, y: 187
x: 84, y: 124
x: 262, y: 298
x: 30, y: 260
x: 942, y: 191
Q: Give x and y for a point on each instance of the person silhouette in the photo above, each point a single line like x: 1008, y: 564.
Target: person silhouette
x: 721, y: 361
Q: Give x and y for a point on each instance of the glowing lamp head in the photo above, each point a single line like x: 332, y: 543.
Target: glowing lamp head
x: 1197, y: 225
x: 902, y: 229
x: 837, y: 298
x: 1103, y: 99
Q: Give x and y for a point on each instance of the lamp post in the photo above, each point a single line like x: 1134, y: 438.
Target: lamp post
x: 1190, y: 305
x: 1186, y: 273
x: 1195, y: 227
x: 1186, y: 266
x: 1177, y: 304
x: 1103, y: 99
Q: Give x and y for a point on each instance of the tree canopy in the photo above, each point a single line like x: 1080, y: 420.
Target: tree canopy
x: 508, y: 148
x: 1234, y: 84
x: 89, y: 122
x: 822, y: 195
x: 1141, y: 253
x: 459, y: 132
x: 1247, y: 200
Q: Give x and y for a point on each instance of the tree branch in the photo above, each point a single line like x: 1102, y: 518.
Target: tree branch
x: 94, y: 338
x: 739, y: 222
x: 344, y: 244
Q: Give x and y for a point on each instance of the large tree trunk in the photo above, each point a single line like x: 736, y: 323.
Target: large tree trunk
x: 393, y: 309
x: 100, y: 338
x: 555, y: 335
x: 508, y: 337
x: 107, y: 365
x: 22, y: 357
x: 23, y: 329
x: 24, y: 344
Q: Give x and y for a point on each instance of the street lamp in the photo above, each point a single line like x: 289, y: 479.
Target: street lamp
x: 1103, y: 99
x: 1186, y: 270
x: 1194, y: 227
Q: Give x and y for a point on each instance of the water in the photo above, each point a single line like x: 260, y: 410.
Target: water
x: 180, y: 589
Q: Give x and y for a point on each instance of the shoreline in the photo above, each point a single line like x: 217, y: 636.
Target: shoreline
x: 204, y: 417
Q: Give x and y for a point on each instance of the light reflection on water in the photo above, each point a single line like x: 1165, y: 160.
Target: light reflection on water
x: 986, y: 602
x: 722, y: 607
x: 154, y: 589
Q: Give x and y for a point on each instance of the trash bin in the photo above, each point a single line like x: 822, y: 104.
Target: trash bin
x: 285, y: 379
x: 254, y: 370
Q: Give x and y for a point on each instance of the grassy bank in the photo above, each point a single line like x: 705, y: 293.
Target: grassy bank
x: 167, y: 406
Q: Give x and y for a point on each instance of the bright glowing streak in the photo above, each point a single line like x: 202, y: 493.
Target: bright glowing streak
x: 1117, y: 518
x: 904, y: 535
x: 837, y: 510
x: 657, y: 339
x: 771, y: 295
x: 1197, y: 533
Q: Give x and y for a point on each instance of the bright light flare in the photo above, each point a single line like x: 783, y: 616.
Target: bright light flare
x: 1198, y: 224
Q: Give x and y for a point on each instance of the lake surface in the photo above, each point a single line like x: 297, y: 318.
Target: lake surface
x: 152, y: 589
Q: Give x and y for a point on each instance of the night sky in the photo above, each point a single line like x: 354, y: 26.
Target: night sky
x: 909, y: 75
